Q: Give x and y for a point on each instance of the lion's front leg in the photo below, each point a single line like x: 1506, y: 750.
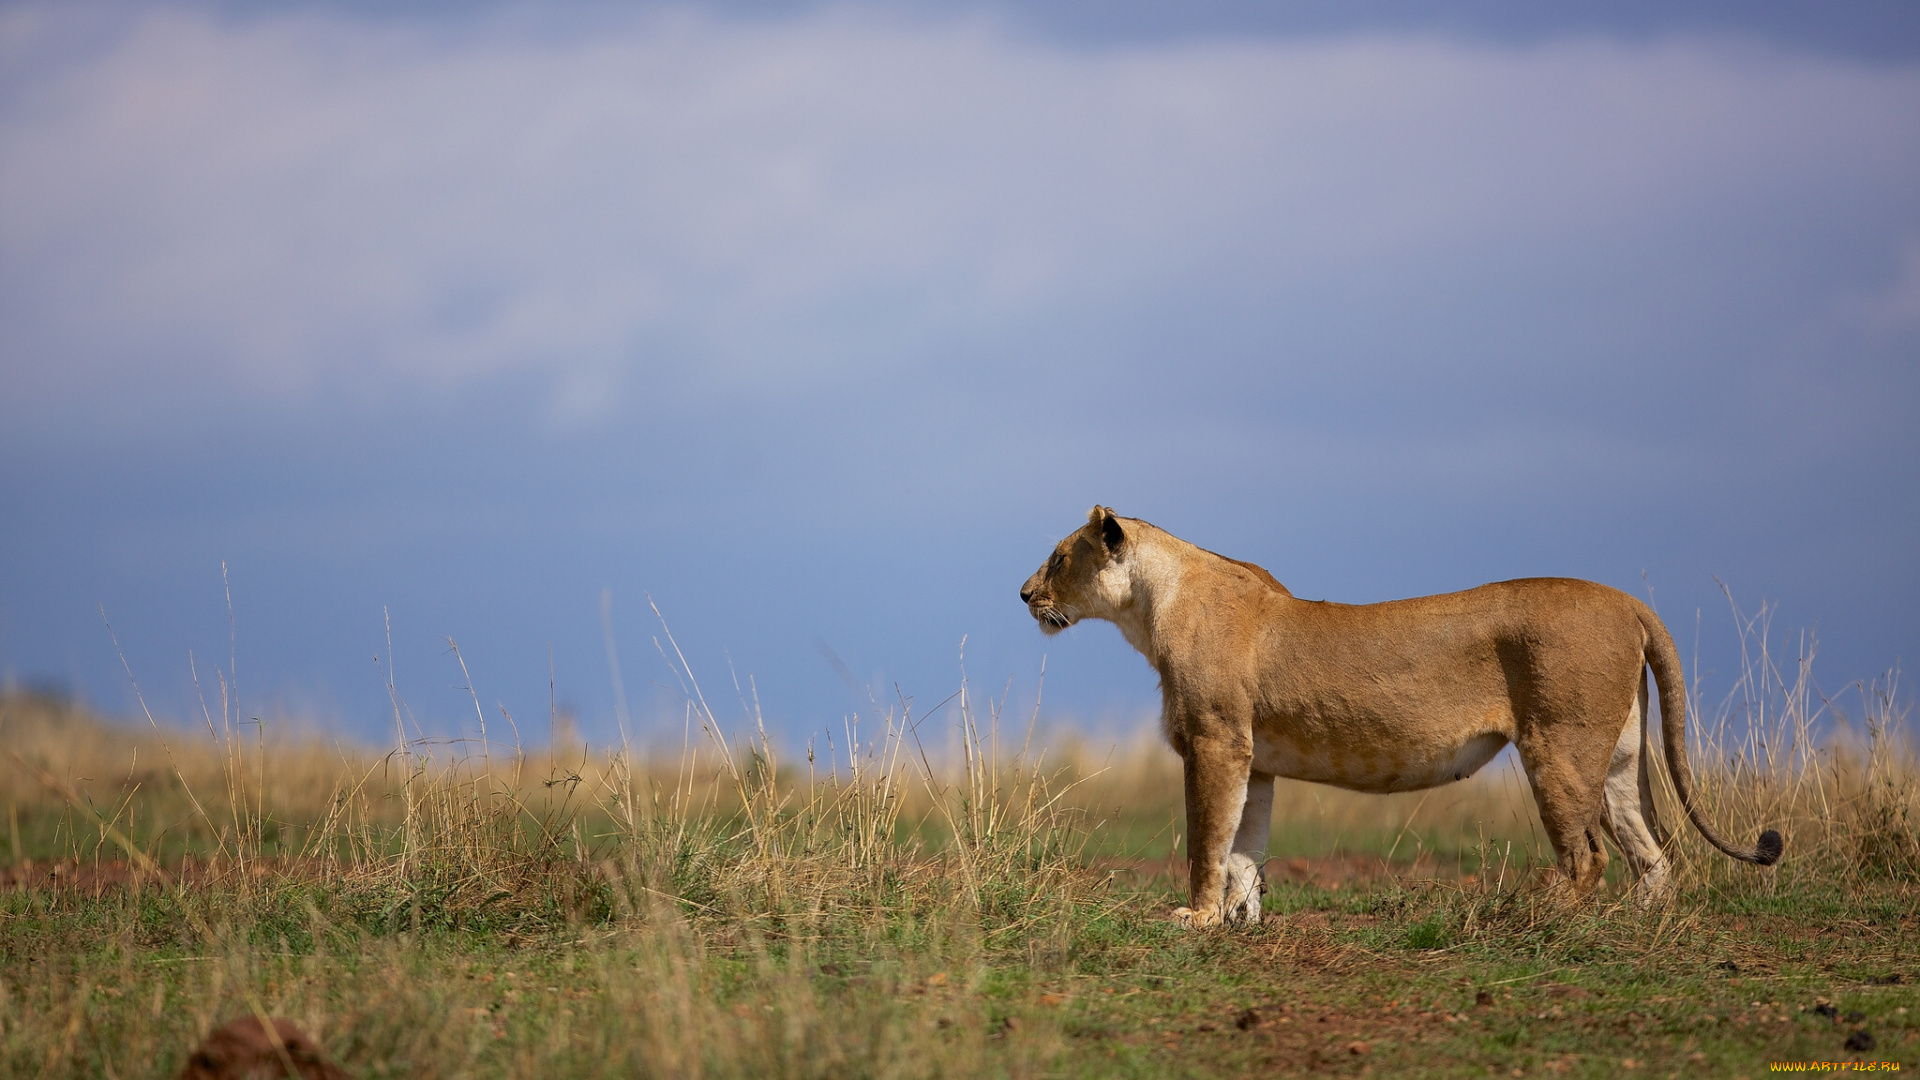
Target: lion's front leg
x: 1217, y: 770
x: 1246, y: 867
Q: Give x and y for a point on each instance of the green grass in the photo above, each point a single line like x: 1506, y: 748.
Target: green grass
x: 917, y: 981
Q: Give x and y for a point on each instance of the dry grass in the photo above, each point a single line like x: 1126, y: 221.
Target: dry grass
x: 1837, y: 776
x: 679, y: 913
x: 452, y: 909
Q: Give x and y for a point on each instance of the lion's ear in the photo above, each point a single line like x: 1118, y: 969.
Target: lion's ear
x: 1110, y: 533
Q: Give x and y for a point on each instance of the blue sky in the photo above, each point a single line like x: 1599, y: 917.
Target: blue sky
x: 820, y: 323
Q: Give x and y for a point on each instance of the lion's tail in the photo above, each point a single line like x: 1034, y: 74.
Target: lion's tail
x: 1665, y: 661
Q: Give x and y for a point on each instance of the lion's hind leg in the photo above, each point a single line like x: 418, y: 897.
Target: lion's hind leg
x: 1572, y: 809
x: 1629, y: 816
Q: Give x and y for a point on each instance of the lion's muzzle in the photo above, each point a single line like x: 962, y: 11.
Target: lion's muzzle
x: 1051, y: 619
x: 1039, y: 601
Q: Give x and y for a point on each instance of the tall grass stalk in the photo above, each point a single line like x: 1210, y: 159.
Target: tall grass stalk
x: 1836, y: 774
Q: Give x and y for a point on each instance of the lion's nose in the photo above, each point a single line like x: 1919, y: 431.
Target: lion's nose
x: 1026, y: 595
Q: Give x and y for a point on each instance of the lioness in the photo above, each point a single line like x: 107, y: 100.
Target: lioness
x: 1409, y: 694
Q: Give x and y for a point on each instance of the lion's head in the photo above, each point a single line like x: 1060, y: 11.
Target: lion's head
x: 1082, y: 577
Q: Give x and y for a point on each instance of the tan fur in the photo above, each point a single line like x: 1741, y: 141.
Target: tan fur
x: 1410, y: 694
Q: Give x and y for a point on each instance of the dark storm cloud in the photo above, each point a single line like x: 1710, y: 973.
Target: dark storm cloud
x: 475, y: 313
x: 1875, y: 29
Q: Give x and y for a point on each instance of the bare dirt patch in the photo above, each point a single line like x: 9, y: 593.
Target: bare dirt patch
x: 1325, y: 1038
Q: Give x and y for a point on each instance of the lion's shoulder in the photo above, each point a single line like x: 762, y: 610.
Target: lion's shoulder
x: 1259, y: 572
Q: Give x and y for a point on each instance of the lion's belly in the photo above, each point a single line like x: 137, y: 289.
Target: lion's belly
x: 1377, y: 764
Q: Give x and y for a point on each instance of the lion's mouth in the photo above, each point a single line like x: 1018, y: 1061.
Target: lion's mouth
x: 1051, y: 620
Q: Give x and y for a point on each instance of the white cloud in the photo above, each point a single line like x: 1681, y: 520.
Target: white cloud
x: 274, y: 206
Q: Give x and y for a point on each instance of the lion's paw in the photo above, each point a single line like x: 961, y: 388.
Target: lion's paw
x: 1196, y: 919
x: 1654, y: 891
x: 1246, y: 884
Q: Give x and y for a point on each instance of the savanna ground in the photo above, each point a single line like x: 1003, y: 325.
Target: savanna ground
x: 903, y: 904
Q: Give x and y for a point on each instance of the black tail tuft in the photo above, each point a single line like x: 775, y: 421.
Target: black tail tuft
x: 1767, y: 851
